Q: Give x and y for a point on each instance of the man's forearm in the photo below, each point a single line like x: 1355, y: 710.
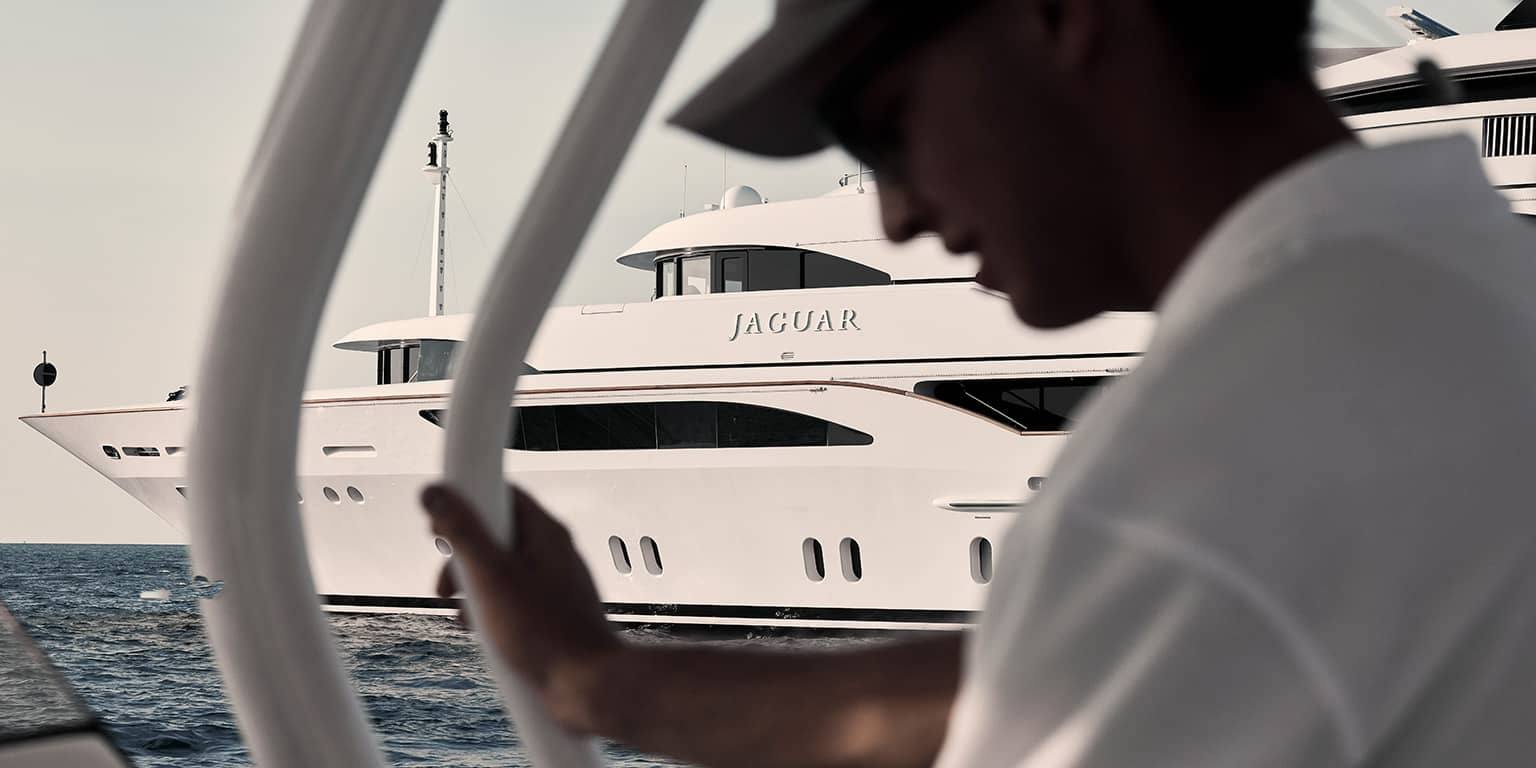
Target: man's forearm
x: 884, y: 705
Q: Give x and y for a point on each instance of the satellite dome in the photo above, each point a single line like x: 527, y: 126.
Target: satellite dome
x: 740, y: 195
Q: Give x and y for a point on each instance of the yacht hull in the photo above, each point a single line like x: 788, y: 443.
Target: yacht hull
x: 897, y: 534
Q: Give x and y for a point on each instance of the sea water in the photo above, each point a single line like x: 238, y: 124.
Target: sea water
x: 145, y: 667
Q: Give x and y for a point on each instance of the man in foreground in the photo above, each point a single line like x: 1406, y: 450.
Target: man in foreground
x: 1296, y: 535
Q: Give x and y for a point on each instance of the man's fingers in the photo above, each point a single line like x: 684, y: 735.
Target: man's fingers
x: 446, y: 585
x: 534, y: 525
x: 455, y: 520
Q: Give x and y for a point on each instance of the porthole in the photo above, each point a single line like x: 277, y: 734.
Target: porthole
x: 981, y: 560
x: 650, y: 555
x: 620, y: 555
x: 815, y: 566
x: 1036, y: 483
x: 331, y: 495
x: 354, y: 494
x: 111, y: 452
x: 182, y: 489
x: 443, y: 547
x: 853, y: 565
x: 145, y: 451
x: 299, y: 494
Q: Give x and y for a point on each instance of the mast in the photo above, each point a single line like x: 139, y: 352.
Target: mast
x: 436, y: 170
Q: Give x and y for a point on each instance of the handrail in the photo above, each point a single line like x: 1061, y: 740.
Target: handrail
x: 345, y: 81
x: 570, y: 187
x: 343, y: 85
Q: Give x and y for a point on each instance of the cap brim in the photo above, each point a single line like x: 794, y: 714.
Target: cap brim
x: 765, y: 100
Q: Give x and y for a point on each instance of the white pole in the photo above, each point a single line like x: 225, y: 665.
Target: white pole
x: 571, y: 185
x: 345, y: 80
x: 439, y: 176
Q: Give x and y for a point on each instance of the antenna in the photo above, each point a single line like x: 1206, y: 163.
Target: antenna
x: 723, y: 154
x: 436, y: 170
x: 682, y: 209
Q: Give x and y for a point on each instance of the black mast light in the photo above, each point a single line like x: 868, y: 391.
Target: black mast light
x: 45, y: 374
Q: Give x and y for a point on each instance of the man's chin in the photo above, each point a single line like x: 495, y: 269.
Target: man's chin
x: 1046, y: 315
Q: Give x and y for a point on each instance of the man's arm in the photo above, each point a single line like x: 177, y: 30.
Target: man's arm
x: 881, y: 705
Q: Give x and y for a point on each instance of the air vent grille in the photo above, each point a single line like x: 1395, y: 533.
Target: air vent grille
x: 1509, y: 135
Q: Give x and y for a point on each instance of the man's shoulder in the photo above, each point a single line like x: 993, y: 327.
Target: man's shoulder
x: 1355, y: 300
x: 1358, y: 357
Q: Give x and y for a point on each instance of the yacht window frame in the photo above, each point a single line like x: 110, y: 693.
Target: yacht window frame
x: 409, y: 363
x: 707, y: 280
x: 722, y: 258
x: 385, y: 364
x: 663, y: 266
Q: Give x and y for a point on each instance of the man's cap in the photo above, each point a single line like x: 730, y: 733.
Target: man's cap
x: 765, y: 101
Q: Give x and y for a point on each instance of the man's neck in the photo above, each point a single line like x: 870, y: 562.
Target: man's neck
x: 1209, y: 164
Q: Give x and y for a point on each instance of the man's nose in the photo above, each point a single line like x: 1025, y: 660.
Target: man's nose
x: 900, y: 213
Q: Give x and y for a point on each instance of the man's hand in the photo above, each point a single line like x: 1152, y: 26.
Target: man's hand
x: 537, y: 601
x: 875, y: 705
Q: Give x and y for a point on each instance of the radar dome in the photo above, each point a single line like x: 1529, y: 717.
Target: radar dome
x: 740, y: 195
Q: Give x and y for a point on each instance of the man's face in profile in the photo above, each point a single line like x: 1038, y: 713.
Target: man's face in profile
x: 995, y: 153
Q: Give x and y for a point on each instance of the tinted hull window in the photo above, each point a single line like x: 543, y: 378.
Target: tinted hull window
x: 651, y: 426
x: 1028, y: 405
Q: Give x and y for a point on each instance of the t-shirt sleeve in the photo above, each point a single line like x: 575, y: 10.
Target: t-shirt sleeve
x: 1123, y: 652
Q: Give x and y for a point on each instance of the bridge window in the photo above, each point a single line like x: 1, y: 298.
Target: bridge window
x: 759, y: 269
x: 425, y: 360
x: 652, y: 426
x: 410, y: 357
x: 733, y: 273
x: 398, y: 363
x: 824, y: 271
x: 695, y: 275
x: 436, y: 360
x: 1028, y: 405
x: 386, y: 366
x: 667, y: 278
x: 774, y: 269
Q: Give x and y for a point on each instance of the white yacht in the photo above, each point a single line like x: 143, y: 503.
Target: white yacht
x: 805, y: 426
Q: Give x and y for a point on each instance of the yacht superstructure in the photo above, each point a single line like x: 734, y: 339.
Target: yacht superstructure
x: 806, y: 426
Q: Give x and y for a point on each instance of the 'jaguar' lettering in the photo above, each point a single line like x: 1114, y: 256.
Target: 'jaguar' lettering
x: 798, y: 321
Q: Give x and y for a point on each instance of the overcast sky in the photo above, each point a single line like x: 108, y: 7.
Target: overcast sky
x: 125, y: 129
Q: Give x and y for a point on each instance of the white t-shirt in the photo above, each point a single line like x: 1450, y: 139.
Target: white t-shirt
x: 1300, y: 533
